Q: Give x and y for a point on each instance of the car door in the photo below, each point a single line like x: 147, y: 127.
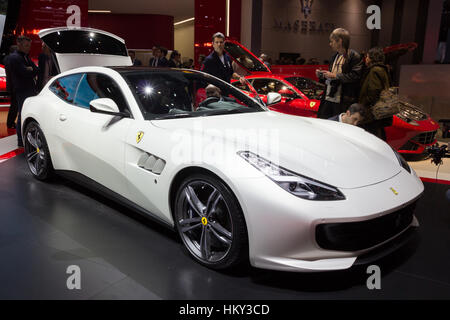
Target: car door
x: 90, y: 143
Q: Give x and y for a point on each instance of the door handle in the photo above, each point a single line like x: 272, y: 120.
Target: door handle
x: 62, y: 117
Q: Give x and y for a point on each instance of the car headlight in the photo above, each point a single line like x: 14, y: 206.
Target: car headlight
x: 402, y: 161
x: 410, y: 114
x: 300, y: 186
x: 404, y: 116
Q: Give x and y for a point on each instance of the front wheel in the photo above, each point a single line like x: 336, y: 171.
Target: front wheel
x: 210, y: 222
x: 37, y: 153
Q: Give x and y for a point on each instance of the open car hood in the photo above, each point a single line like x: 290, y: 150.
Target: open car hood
x: 245, y: 58
x: 80, y: 47
x: 392, y: 53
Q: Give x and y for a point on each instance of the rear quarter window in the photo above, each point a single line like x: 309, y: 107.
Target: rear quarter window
x: 66, y: 87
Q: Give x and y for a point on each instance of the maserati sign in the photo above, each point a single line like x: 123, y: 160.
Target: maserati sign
x: 306, y: 7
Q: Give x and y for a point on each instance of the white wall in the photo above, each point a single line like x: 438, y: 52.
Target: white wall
x: 184, y: 39
x: 246, y: 23
x: 348, y: 14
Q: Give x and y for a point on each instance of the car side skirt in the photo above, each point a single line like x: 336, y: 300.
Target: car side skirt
x: 94, y: 186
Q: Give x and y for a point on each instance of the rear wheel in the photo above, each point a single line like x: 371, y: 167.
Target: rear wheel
x: 210, y: 222
x: 37, y: 153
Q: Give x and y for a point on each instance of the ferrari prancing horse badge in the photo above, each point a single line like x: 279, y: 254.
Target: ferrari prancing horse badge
x: 139, y: 136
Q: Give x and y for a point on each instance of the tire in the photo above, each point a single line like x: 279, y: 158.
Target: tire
x: 37, y: 153
x: 210, y: 222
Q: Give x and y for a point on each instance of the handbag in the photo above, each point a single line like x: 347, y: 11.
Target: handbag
x: 386, y: 106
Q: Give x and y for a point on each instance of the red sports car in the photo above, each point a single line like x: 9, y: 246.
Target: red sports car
x: 4, y: 95
x: 412, y: 129
x: 299, y: 96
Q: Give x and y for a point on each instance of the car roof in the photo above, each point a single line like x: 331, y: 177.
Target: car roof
x: 132, y: 69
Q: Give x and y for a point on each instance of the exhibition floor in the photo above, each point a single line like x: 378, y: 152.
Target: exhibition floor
x: 47, y: 227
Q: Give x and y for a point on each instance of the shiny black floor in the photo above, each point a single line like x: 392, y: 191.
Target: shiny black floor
x: 47, y: 227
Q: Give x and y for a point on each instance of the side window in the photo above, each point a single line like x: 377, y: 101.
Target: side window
x: 65, y: 87
x: 96, y: 85
x: 265, y: 86
x: 262, y: 85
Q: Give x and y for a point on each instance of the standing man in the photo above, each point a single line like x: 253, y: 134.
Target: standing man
x: 12, y: 113
x: 47, y: 68
x: 163, y: 62
x: 156, y: 52
x: 265, y: 59
x: 218, y: 63
x: 134, y: 60
x: 23, y: 75
x: 342, y: 78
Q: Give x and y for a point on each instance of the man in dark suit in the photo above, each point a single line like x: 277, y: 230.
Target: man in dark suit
x: 163, y: 62
x: 12, y: 113
x: 218, y: 63
x: 159, y: 59
x: 354, y: 115
x: 136, y: 62
x: 47, y: 67
x: 23, y: 74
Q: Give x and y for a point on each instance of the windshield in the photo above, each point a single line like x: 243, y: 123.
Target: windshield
x: 168, y: 94
x: 310, y: 88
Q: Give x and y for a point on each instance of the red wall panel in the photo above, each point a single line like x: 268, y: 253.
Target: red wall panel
x: 140, y: 31
x: 235, y: 19
x: 210, y: 17
x: 37, y: 14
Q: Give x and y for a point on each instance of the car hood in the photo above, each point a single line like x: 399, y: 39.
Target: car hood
x: 245, y: 58
x: 342, y: 155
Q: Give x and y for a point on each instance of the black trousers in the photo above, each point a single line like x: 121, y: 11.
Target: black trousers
x: 328, y: 109
x: 12, y: 113
x: 21, y: 97
x: 376, y: 127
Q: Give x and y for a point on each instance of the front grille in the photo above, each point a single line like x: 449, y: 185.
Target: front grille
x: 354, y: 236
x: 409, y: 146
x: 425, y: 138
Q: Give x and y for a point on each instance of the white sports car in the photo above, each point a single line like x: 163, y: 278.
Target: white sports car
x: 237, y: 182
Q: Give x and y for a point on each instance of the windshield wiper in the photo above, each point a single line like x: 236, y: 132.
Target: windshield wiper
x: 227, y: 111
x: 175, y: 115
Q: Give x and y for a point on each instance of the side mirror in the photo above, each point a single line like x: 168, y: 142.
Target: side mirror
x: 106, y: 106
x: 273, y: 98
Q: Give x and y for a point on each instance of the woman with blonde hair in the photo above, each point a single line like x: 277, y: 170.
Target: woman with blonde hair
x: 342, y: 78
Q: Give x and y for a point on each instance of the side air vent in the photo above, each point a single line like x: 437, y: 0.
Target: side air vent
x: 151, y: 163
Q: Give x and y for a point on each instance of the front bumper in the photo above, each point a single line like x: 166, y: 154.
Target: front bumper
x: 282, y: 227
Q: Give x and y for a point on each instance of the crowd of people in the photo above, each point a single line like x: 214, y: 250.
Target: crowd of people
x: 353, y: 83
x: 24, y: 78
x: 354, y: 80
x: 159, y: 59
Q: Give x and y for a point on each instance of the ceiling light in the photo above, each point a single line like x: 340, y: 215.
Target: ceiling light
x: 99, y: 11
x: 184, y: 21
